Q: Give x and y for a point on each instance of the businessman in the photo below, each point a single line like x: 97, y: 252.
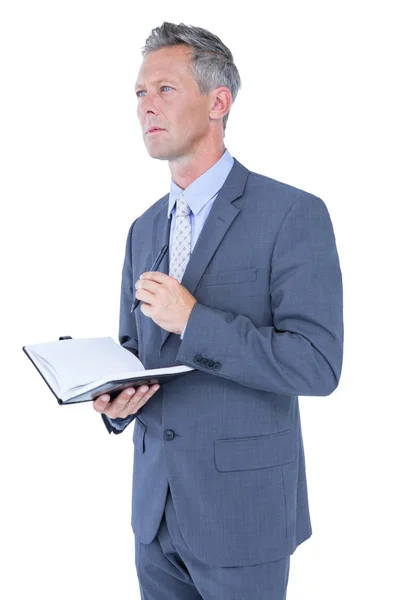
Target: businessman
x: 250, y: 295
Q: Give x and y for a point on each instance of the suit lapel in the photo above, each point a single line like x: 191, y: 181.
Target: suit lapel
x: 219, y: 219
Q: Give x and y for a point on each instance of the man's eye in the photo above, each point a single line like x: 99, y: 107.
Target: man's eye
x: 163, y: 86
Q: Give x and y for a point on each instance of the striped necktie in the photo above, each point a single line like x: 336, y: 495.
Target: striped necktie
x: 181, y: 242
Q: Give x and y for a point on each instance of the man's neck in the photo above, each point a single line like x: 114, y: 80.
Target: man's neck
x: 187, y: 169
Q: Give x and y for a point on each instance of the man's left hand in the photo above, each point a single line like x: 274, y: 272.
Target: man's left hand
x: 164, y: 300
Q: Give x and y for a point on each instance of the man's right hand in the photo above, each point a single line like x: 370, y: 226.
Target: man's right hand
x: 126, y: 403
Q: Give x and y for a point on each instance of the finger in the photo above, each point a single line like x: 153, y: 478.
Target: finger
x: 138, y: 400
x: 101, y: 402
x: 157, y: 276
x: 119, y: 403
x: 147, y: 284
x: 120, y: 406
x: 145, y: 296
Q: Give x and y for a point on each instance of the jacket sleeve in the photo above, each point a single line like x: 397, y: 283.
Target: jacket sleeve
x: 127, y: 336
x: 301, y: 353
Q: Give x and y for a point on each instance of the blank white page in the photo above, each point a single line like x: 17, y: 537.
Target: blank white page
x: 81, y: 361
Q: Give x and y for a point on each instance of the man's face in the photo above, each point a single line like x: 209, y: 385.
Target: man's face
x: 168, y: 97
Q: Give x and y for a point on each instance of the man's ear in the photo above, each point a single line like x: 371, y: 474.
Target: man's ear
x: 222, y: 103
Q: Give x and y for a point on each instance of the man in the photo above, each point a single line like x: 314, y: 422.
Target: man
x: 250, y: 295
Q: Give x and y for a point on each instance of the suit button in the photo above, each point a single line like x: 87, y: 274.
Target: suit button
x: 197, y: 359
x: 210, y: 364
x: 169, y: 434
x: 216, y: 366
x: 204, y: 362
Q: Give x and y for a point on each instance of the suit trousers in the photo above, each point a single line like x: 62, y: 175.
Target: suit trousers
x: 167, y: 570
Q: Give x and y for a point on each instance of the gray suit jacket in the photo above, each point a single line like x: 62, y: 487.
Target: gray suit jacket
x: 266, y: 328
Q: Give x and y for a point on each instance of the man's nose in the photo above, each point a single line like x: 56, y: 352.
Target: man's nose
x: 147, y: 104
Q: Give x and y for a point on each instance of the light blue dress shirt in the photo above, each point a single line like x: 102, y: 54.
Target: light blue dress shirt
x: 200, y: 196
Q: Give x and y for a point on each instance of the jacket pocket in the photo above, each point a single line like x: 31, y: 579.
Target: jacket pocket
x: 139, y: 432
x: 229, y: 277
x: 260, y: 452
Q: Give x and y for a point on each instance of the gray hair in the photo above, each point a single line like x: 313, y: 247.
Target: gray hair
x: 211, y: 62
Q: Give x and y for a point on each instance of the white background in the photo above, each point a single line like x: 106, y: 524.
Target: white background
x: 318, y: 110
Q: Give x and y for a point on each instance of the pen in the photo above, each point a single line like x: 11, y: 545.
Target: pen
x: 155, y: 266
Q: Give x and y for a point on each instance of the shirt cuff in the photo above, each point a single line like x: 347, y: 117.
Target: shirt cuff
x: 119, y: 423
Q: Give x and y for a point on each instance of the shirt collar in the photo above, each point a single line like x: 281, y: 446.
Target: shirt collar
x: 205, y: 187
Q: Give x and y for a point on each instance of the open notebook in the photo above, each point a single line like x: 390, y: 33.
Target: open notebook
x: 80, y: 370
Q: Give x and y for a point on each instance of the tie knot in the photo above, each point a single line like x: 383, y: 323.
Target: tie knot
x: 182, y: 207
